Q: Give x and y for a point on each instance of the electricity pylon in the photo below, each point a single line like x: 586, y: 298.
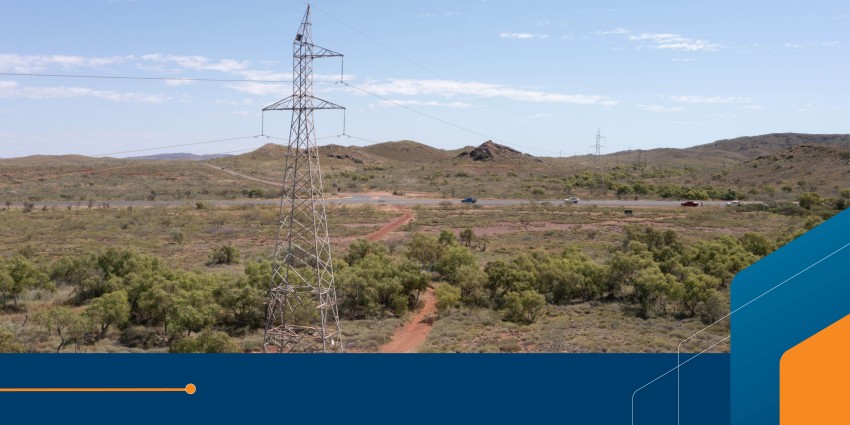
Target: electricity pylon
x: 597, y: 153
x: 301, y: 311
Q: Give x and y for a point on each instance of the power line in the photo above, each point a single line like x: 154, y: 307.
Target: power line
x: 369, y: 141
x: 144, y: 150
x: 180, y: 145
x: 468, y: 130
x: 401, y: 55
x: 132, y: 77
x: 137, y: 164
x: 290, y: 81
x: 370, y: 38
x: 98, y: 170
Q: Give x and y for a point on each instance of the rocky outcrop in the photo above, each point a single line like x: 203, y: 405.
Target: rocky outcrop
x: 490, y: 151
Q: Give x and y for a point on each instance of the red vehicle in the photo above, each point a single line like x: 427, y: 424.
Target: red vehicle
x: 690, y: 204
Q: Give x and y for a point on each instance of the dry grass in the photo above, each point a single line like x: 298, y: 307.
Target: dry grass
x: 182, y: 236
x: 579, y: 328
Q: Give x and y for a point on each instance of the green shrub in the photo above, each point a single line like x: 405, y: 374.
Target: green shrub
x: 208, y: 341
x: 809, y: 199
x: 224, y: 255
x: 447, y: 297
x: 523, y: 307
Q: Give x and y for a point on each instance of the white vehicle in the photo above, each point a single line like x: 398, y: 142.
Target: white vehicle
x: 572, y: 200
x: 735, y: 203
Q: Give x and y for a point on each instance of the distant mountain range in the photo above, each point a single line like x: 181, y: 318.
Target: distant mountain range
x: 766, y: 167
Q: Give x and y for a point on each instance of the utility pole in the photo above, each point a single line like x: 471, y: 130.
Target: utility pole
x: 301, y: 309
x: 597, y: 153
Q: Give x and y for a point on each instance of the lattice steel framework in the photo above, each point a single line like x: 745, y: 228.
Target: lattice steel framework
x: 301, y: 311
x: 597, y: 151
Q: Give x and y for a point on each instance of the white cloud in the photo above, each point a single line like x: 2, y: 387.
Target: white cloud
x: 35, y: 63
x: 793, y: 45
x: 675, y: 42
x: 543, y: 22
x: 11, y: 89
x: 450, y: 88
x: 683, y: 59
x: 659, y: 108
x: 615, y: 31
x: 710, y: 99
x: 831, y: 43
x: 523, y: 35
x: 198, y: 63
x: 754, y: 107
x: 399, y: 102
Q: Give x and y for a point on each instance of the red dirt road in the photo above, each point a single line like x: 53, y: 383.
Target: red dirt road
x: 408, y: 338
x: 389, y: 227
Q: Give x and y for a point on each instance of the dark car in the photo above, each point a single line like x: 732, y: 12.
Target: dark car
x: 690, y: 204
x: 469, y: 200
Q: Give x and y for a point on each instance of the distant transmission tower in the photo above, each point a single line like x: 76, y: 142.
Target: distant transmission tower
x: 597, y: 153
x: 301, y: 313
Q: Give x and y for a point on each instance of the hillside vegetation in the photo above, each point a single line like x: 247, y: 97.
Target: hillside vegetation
x: 767, y: 168
x: 534, y: 277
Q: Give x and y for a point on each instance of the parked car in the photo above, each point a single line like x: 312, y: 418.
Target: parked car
x: 572, y: 200
x: 469, y: 200
x: 690, y: 204
x: 735, y: 203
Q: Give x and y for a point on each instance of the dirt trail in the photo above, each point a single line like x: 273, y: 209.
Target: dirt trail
x: 408, y: 338
x: 389, y: 227
x: 244, y: 176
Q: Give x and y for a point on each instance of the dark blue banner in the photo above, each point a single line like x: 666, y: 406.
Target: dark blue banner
x: 367, y: 388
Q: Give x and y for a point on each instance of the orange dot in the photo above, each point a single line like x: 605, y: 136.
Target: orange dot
x: 190, y: 388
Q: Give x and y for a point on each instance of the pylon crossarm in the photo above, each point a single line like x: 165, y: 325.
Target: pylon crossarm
x: 307, y: 102
x: 317, y: 52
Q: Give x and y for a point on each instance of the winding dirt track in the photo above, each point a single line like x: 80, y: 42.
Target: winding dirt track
x: 408, y: 338
x: 389, y: 227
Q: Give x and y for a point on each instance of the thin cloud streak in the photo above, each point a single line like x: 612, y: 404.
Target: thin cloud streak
x: 11, y: 89
x: 450, y: 88
x: 523, y: 35
x: 710, y: 99
x: 400, y: 102
x: 675, y: 42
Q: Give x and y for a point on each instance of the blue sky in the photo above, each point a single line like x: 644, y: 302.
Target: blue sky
x: 541, y: 76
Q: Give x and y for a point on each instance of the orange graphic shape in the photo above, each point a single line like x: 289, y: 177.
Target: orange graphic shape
x: 188, y: 389
x: 814, y: 378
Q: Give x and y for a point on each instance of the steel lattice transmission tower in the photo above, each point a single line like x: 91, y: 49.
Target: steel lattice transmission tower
x: 301, y: 312
x: 597, y: 153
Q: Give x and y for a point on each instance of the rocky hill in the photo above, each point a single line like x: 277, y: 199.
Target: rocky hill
x: 407, y: 151
x: 751, y: 147
x: 490, y: 151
